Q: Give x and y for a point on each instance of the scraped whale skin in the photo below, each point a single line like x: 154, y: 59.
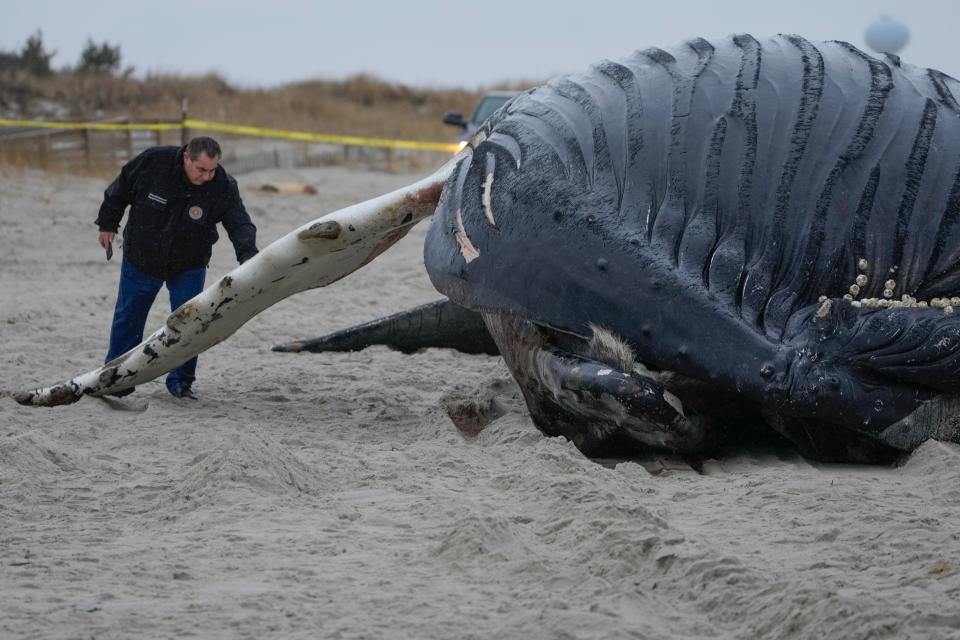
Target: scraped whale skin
x: 748, y: 228
x: 711, y: 205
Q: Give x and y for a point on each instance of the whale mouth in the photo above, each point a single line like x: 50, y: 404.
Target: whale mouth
x: 600, y: 406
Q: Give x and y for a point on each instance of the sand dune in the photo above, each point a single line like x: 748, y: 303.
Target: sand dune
x: 332, y: 496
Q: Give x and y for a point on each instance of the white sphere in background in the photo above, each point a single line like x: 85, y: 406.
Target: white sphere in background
x: 887, y: 35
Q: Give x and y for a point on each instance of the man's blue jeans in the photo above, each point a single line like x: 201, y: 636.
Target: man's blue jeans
x: 135, y: 296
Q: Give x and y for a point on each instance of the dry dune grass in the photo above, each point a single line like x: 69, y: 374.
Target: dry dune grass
x: 360, y: 105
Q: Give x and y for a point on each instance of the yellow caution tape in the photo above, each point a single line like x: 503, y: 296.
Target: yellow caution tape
x: 244, y: 130
x: 96, y: 126
x: 321, y: 137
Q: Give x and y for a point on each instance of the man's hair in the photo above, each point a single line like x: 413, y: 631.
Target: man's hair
x: 205, y: 145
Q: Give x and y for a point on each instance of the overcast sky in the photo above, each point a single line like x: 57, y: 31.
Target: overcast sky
x: 443, y: 43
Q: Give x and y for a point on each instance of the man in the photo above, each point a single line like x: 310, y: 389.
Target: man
x: 176, y: 197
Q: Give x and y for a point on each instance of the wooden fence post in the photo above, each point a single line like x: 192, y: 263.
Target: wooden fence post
x: 129, y: 141
x: 87, y: 147
x: 184, y: 133
x: 45, y: 150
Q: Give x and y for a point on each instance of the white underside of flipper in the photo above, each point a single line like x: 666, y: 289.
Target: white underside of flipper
x: 314, y: 255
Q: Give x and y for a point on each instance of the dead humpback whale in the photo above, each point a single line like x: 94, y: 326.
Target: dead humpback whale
x: 669, y: 241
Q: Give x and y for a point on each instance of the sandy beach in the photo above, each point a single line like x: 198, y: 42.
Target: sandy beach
x: 332, y: 496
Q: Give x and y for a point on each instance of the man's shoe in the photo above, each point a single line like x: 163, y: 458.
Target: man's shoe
x: 183, y: 391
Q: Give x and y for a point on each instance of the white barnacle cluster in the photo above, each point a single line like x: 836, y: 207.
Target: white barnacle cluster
x: 889, y: 289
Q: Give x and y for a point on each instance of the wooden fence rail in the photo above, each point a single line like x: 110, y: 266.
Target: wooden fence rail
x: 101, y: 147
x: 67, y: 148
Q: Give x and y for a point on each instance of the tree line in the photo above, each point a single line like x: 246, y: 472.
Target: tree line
x: 34, y: 58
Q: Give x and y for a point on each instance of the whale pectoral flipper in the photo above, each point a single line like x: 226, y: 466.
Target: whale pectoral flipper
x: 311, y: 256
x: 442, y: 324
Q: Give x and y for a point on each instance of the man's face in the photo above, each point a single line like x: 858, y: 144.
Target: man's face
x: 201, y: 170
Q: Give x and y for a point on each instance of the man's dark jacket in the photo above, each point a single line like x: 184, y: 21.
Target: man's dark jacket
x: 173, y: 224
